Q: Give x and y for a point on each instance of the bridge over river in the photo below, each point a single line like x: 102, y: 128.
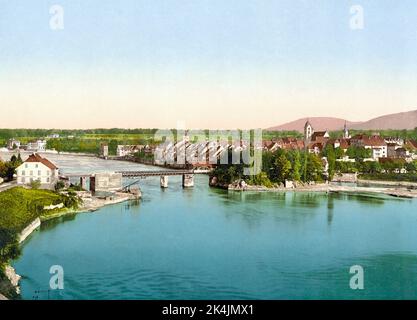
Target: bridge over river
x: 187, y: 176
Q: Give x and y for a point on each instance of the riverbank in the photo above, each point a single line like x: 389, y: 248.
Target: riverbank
x: 407, y: 184
x: 10, y: 280
x: 323, y: 187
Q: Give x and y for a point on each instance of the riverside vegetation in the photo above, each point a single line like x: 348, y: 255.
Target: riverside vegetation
x: 18, y: 208
x: 304, y: 167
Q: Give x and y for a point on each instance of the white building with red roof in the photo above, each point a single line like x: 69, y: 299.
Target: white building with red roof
x: 37, y: 168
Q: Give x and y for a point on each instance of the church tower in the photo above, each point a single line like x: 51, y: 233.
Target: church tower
x: 346, y: 132
x: 308, y: 131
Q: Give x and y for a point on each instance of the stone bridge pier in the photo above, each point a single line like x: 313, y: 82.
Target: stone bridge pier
x: 164, y: 181
x: 187, y: 180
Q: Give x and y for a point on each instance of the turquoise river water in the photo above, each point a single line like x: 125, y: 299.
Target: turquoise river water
x: 204, y: 243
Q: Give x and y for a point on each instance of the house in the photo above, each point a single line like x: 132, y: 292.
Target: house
x: 37, y: 145
x: 126, y: 150
x: 375, y: 142
x: 37, y: 168
x: 315, y: 147
x: 53, y: 136
x: 320, y: 136
x: 340, y: 143
x: 13, y: 144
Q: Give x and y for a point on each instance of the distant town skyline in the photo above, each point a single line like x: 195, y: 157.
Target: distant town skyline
x: 208, y: 64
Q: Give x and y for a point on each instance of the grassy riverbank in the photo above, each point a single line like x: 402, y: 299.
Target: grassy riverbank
x: 18, y: 208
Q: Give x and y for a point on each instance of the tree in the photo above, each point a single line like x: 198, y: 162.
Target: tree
x: 35, y: 184
x: 411, y: 167
x: 282, y: 168
x: 59, y: 185
x: 296, y: 166
x: 329, y: 152
x: 314, y: 170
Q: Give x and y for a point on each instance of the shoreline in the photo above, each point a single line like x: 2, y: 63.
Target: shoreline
x: 400, y: 192
x: 87, y: 206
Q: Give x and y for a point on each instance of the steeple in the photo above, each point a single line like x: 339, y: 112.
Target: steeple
x: 308, y: 130
x: 346, y: 132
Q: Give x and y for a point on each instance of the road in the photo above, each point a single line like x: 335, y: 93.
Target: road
x: 7, y: 185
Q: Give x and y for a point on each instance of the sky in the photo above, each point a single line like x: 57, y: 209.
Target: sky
x: 204, y: 63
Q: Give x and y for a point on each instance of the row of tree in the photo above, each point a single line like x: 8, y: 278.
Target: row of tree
x: 277, y: 167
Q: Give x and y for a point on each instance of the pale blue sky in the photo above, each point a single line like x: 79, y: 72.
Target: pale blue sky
x: 137, y: 63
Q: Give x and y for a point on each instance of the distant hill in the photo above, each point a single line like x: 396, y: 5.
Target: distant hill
x: 397, y: 121
x: 318, y: 123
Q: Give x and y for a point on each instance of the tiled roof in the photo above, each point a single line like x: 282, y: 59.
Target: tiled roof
x: 37, y: 158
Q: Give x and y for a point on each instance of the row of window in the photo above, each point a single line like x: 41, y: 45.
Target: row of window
x: 31, y: 173
x: 32, y: 179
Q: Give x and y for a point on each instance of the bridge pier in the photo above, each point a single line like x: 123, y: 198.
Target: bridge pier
x: 83, y: 183
x: 187, y: 180
x: 164, y: 181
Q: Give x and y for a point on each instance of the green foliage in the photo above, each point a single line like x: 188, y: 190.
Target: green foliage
x: 358, y: 153
x: 276, y: 168
x: 330, y: 153
x: 18, y: 208
x: 35, y: 184
x: 282, y: 167
x: 260, y: 179
x: 59, y: 185
x: 8, y: 169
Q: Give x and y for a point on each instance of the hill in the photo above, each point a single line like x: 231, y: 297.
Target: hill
x: 395, y: 121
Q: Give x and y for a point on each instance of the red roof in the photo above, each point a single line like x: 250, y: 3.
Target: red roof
x: 37, y: 158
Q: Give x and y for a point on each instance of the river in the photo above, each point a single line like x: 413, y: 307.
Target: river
x: 204, y: 243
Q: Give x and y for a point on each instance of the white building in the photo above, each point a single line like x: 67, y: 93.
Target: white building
x: 126, y: 150
x: 38, y: 146
x: 37, y: 168
x: 13, y: 144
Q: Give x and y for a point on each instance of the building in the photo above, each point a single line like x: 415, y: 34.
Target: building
x: 308, y: 131
x: 37, y: 146
x: 13, y: 144
x: 346, y: 134
x: 104, y: 150
x: 37, y: 168
x: 320, y: 136
x: 126, y: 150
x: 106, y: 182
x: 375, y: 142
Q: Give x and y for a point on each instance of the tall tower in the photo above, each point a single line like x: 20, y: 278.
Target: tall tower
x: 346, y: 132
x: 308, y: 131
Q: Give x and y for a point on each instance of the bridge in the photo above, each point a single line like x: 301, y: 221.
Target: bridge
x: 187, y: 176
x: 134, y: 174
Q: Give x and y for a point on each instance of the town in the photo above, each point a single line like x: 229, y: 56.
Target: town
x: 380, y: 154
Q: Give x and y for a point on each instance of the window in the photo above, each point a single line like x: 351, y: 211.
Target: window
x: 47, y: 179
x: 31, y: 172
x: 23, y: 173
x: 23, y: 180
x: 36, y: 165
x: 26, y: 165
x: 39, y: 172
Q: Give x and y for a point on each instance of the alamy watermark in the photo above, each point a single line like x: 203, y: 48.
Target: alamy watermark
x: 210, y: 147
x: 357, y: 281
x: 56, y: 22
x: 357, y: 18
x: 56, y: 282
